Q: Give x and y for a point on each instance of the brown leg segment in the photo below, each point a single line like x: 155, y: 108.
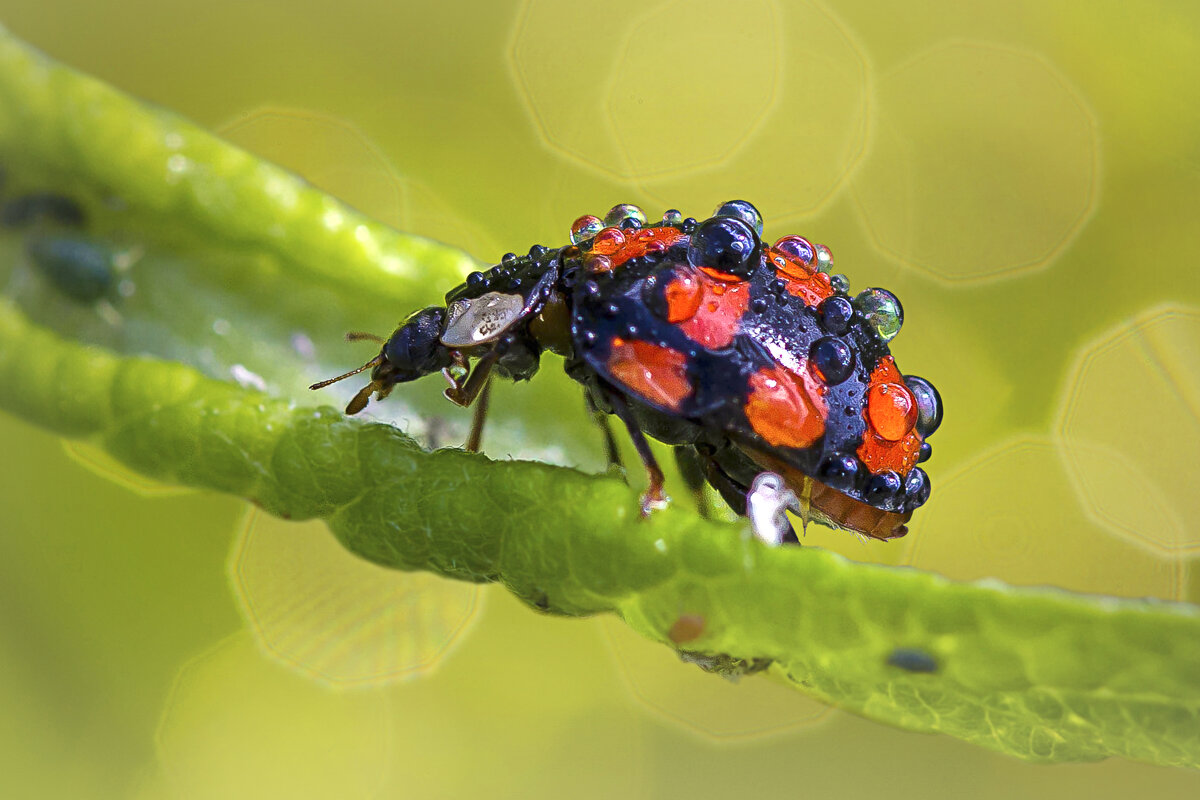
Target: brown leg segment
x: 475, y: 439
x: 654, y: 498
x: 688, y: 461
x: 610, y: 443
x: 465, y: 394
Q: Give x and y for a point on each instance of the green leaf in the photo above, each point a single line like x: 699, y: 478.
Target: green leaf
x: 1038, y: 673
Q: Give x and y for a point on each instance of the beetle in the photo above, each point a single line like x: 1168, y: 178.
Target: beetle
x: 747, y: 357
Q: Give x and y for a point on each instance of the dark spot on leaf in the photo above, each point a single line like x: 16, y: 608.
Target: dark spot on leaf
x: 912, y: 659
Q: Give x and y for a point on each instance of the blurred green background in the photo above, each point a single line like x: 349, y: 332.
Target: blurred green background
x: 1026, y: 179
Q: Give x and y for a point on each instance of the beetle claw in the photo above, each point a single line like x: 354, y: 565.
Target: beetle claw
x: 655, y: 499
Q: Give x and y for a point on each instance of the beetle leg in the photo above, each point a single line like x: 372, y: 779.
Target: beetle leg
x: 463, y: 394
x: 610, y: 443
x: 456, y: 373
x: 654, y: 498
x: 692, y: 471
x: 479, y: 418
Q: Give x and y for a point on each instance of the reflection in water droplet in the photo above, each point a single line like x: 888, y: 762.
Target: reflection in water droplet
x: 619, y: 214
x: 608, y: 241
x: 585, y: 228
x: 882, y: 312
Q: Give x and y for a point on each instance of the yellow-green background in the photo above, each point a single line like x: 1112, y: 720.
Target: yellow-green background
x: 1025, y: 177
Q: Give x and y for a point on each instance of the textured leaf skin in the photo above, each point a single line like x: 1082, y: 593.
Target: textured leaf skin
x: 1040, y: 674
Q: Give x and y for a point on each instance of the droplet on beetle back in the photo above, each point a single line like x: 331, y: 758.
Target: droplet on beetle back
x: 608, y: 241
x: 929, y: 404
x: 725, y: 244
x: 891, y: 410
x: 617, y: 215
x: 585, y: 228
x: 833, y: 358
x: 824, y: 258
x: 798, y: 248
x: 743, y: 210
x: 882, y: 312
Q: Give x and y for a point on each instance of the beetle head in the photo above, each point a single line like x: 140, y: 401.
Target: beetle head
x: 412, y: 351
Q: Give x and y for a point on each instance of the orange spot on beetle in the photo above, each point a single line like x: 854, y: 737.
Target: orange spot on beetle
x: 608, y: 242
x: 719, y: 311
x: 639, y: 242
x: 890, y: 441
x: 655, y: 373
x: 891, y: 410
x: 785, y: 408
x: 802, y: 280
x: 683, y: 295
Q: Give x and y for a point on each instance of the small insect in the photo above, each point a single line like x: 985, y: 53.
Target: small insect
x: 747, y: 357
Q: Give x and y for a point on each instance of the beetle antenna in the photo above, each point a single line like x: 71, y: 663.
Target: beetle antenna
x: 374, y: 362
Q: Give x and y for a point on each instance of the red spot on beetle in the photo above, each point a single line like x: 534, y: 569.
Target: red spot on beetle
x: 718, y: 312
x: 786, y: 408
x: 654, y: 372
x: 891, y: 441
x: 639, y: 242
x: 683, y: 295
x: 802, y: 279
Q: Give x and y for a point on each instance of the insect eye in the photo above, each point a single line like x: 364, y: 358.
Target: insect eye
x: 481, y: 319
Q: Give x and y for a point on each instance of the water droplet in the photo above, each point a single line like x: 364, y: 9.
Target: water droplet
x: 839, y: 471
x: 839, y: 283
x: 929, y: 404
x: 824, y: 259
x: 891, y: 410
x: 836, y: 314
x: 608, y: 241
x: 741, y: 209
x: 672, y: 218
x: 597, y: 263
x: 725, y: 244
x: 916, y: 487
x: 882, y: 312
x: 618, y: 214
x: 585, y: 228
x: 833, y: 358
x: 798, y: 248
x: 883, y: 488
